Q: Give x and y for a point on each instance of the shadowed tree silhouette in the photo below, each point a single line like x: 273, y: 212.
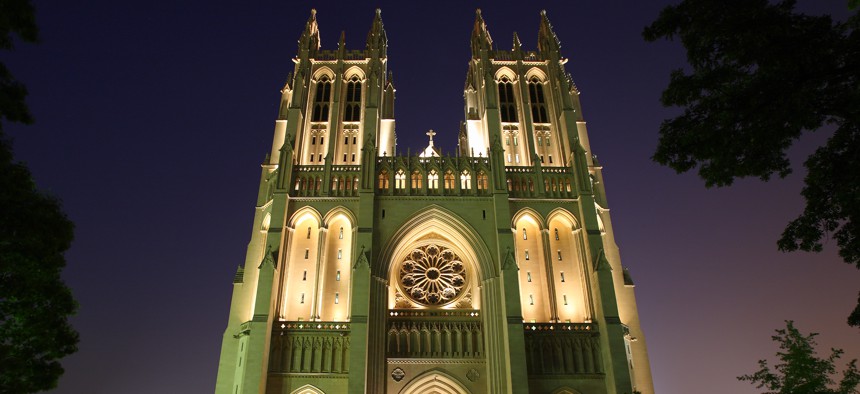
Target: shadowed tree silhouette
x: 800, y: 371
x: 760, y: 75
x: 34, y: 234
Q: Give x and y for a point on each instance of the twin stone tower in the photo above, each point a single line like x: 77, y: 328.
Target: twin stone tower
x: 491, y: 271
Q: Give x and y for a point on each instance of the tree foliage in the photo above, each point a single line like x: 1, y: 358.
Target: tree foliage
x: 34, y: 234
x: 800, y: 370
x: 34, y: 302
x: 16, y: 18
x: 760, y: 75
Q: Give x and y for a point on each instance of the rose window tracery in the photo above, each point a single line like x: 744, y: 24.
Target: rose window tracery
x: 432, y: 275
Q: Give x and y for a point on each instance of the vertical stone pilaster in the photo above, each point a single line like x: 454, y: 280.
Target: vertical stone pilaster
x: 550, y: 275
x: 319, y: 285
x: 494, y: 327
x: 259, y: 331
x: 360, y: 310
x: 517, y: 372
x: 377, y: 335
x: 611, y: 330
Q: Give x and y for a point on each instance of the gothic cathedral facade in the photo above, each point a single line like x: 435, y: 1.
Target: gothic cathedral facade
x: 493, y: 270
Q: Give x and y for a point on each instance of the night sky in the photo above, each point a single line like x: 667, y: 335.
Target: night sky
x: 152, y: 119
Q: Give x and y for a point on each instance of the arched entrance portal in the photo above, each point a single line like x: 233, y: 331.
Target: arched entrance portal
x: 434, y: 382
x: 435, y: 267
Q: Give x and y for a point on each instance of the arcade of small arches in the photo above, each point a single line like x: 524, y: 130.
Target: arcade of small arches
x: 343, y: 182
x: 415, y: 175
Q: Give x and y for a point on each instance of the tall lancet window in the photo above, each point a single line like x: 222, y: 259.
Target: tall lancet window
x: 352, y: 108
x: 507, y: 103
x: 538, y: 103
x: 400, y: 179
x: 416, y: 180
x: 322, y: 97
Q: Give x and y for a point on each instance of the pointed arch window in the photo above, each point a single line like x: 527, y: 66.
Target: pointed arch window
x: 507, y: 103
x: 400, y: 179
x: 416, y: 180
x: 433, y: 180
x: 483, y: 181
x: 322, y: 97
x: 383, y: 180
x: 352, y: 107
x: 449, y: 179
x: 538, y: 103
x: 466, y: 180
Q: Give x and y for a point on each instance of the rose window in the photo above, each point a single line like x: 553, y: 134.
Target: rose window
x: 432, y: 275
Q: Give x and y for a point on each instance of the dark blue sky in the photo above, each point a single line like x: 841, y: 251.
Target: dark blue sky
x: 152, y: 119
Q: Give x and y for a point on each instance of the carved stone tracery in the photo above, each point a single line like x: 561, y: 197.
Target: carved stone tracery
x: 432, y: 275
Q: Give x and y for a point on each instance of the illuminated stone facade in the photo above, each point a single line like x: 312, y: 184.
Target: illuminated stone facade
x: 491, y: 271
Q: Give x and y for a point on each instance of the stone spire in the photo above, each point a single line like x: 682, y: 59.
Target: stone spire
x: 388, y: 99
x: 517, y: 44
x: 481, y: 39
x: 310, y: 39
x: 547, y: 40
x: 376, y: 37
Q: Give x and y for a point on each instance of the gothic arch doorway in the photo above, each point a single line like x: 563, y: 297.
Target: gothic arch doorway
x: 434, y: 382
x: 565, y: 390
x: 436, y: 266
x: 307, y: 389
